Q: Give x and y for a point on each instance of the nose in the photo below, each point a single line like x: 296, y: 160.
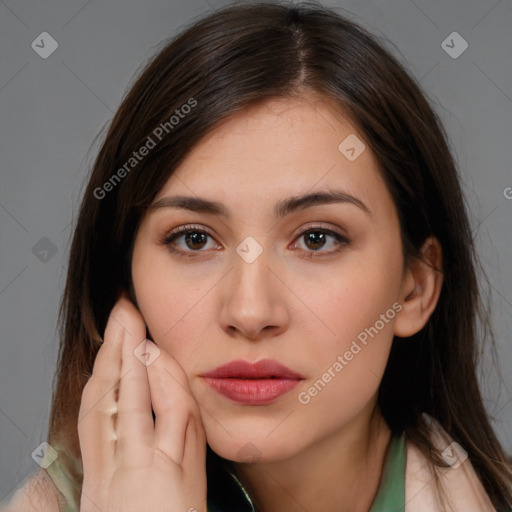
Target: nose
x: 253, y: 300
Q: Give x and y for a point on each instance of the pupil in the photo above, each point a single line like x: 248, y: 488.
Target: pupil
x: 195, y: 238
x: 320, y: 239
x: 315, y: 239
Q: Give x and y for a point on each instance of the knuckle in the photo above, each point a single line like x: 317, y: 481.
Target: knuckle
x: 98, y: 410
x: 94, y: 396
x: 168, y: 460
x: 100, y: 384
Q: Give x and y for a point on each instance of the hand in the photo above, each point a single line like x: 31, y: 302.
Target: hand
x: 130, y: 463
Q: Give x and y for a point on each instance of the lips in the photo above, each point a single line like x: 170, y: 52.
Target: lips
x: 257, y: 383
x: 264, y: 369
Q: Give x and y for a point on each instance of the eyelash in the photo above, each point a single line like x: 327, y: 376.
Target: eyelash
x: 170, y: 237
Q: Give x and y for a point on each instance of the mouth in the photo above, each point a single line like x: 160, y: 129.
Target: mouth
x: 259, y: 383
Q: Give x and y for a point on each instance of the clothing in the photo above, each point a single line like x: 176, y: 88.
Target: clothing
x: 63, y: 484
x: 407, y: 483
x: 227, y: 494
x: 461, y: 484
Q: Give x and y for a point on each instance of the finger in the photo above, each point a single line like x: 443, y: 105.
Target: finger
x: 173, y: 404
x: 194, y: 465
x: 135, y: 431
x: 194, y: 456
x: 98, y: 408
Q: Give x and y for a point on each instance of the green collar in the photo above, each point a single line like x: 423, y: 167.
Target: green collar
x: 227, y: 494
x: 391, y: 494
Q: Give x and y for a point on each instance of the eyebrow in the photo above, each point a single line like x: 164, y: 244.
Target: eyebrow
x: 281, y: 209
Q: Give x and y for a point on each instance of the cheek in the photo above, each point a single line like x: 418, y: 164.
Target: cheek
x: 348, y: 370
x: 174, y: 322
x: 357, y: 309
x: 171, y: 305
x: 364, y: 289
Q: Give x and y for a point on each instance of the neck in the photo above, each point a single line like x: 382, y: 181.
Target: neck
x: 339, y: 473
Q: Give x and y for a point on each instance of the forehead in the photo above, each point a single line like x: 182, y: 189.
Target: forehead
x: 282, y: 147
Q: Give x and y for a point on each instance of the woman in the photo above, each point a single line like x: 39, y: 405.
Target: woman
x: 275, y: 209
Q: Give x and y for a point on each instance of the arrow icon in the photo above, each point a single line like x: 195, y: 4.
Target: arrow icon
x: 44, y: 45
x: 44, y: 454
x: 454, y: 45
x: 454, y: 455
x: 249, y: 249
x: 146, y: 354
x: 351, y: 147
x: 44, y: 249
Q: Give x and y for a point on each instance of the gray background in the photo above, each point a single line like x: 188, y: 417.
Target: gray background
x: 51, y: 109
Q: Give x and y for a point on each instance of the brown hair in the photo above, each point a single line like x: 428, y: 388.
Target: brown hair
x: 240, y: 56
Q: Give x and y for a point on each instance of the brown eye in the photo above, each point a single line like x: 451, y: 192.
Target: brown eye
x: 187, y: 240
x: 315, y: 239
x: 195, y: 239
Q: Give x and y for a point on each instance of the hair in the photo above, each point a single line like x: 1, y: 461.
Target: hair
x: 238, y: 57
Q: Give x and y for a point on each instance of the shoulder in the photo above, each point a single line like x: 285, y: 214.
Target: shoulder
x: 460, y: 482
x: 37, y: 494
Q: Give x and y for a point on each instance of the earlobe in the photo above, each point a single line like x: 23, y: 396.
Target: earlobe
x: 421, y: 290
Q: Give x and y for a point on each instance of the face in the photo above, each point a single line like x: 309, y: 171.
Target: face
x: 313, y: 286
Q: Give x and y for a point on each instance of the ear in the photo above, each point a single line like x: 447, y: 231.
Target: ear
x: 421, y: 289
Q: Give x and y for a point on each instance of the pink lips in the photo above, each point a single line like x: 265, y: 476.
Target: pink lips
x: 257, y: 383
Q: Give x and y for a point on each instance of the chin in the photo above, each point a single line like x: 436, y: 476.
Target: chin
x: 252, y: 448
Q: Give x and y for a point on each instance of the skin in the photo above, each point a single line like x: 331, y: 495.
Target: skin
x: 130, y: 463
x: 300, y: 306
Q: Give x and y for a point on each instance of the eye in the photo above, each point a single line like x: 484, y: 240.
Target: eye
x: 195, y: 239
x: 315, y: 238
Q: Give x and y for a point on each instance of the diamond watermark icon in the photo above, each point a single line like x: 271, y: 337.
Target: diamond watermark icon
x: 249, y: 453
x: 249, y: 249
x: 454, y: 45
x: 146, y: 353
x: 351, y: 147
x: 44, y: 249
x: 44, y: 45
x: 454, y: 455
x: 45, y: 455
